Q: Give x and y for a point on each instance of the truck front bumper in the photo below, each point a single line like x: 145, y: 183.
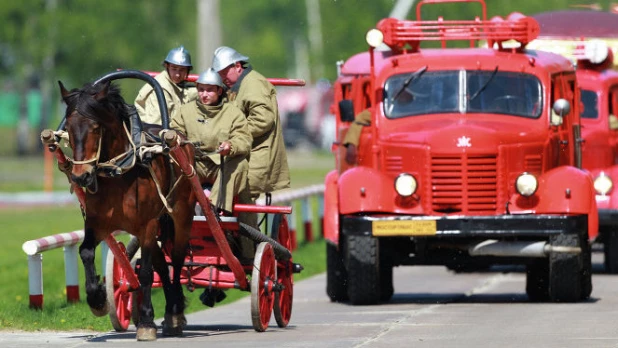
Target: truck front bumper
x: 499, y: 226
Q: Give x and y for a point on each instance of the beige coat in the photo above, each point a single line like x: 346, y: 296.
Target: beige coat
x: 207, y: 126
x: 268, y: 163
x: 362, y: 119
x: 175, y: 96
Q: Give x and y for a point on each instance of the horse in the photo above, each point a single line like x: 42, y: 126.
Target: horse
x: 138, y: 201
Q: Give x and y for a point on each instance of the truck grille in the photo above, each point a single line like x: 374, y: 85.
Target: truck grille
x: 393, y: 164
x: 533, y: 164
x: 464, y: 184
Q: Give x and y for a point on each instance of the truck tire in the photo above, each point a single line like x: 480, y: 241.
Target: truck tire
x: 586, y: 273
x: 336, y: 275
x: 537, y: 280
x: 386, y: 283
x: 565, y: 271
x: 610, y: 251
x: 362, y: 263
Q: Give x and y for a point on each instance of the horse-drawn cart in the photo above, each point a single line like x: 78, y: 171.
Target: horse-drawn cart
x: 206, y: 266
x: 209, y: 261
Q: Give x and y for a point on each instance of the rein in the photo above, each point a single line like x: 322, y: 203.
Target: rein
x: 94, y: 159
x: 107, y: 168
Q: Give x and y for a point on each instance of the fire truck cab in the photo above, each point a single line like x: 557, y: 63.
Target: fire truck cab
x: 599, y: 122
x: 597, y: 77
x: 472, y: 158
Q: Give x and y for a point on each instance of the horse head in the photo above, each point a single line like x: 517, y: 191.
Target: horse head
x: 93, y: 116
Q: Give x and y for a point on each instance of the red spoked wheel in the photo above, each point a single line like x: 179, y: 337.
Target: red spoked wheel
x: 284, y: 297
x: 119, y: 300
x: 263, y: 280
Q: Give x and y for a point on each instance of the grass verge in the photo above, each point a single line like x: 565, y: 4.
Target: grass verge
x: 22, y: 224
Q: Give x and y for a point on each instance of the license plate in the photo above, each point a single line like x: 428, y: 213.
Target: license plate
x: 404, y: 228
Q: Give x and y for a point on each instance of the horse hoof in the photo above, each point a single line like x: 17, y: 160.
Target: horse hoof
x: 147, y: 334
x: 99, y: 312
x: 172, y: 331
x: 174, y: 324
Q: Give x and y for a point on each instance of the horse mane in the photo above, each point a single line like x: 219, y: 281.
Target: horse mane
x: 84, y: 101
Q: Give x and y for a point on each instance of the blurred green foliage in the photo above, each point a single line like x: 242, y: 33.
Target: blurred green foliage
x: 88, y: 38
x: 76, y: 41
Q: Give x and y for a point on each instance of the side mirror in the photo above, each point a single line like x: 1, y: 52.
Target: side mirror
x: 560, y: 108
x: 346, y: 110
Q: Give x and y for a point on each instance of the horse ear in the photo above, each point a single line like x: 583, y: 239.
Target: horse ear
x: 63, y: 91
x: 103, y: 92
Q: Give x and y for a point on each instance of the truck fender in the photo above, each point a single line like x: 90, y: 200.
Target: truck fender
x: 364, y: 189
x: 331, y: 207
x: 569, y: 190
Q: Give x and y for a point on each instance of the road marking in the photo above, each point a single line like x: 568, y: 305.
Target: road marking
x: 489, y: 284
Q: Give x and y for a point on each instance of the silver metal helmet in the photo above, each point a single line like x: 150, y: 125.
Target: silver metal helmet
x: 210, y: 77
x: 226, y: 56
x: 179, y: 56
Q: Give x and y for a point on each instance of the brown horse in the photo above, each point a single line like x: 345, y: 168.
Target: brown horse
x: 138, y: 201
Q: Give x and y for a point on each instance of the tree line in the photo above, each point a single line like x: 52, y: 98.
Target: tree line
x: 76, y: 41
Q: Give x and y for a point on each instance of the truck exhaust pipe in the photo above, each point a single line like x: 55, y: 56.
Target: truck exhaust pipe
x: 492, y: 247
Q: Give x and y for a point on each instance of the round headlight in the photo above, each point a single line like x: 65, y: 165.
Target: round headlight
x: 374, y: 38
x: 596, y: 51
x: 405, y: 185
x: 526, y: 184
x: 603, y: 184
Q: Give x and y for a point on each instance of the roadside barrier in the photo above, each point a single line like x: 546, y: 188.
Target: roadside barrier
x: 34, y: 248
x: 71, y: 240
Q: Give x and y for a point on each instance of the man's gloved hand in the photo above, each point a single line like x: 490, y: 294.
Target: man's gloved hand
x: 350, y: 154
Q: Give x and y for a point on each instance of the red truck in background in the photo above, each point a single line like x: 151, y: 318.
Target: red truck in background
x: 471, y: 159
x: 591, y: 45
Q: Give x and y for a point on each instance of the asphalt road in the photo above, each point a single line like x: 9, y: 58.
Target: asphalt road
x: 432, y: 307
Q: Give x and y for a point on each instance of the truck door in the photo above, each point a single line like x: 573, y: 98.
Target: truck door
x: 613, y: 122
x: 565, y: 149
x: 362, y: 101
x: 357, y: 91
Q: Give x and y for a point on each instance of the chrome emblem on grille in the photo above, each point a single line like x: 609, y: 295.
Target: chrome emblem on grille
x: 464, y: 142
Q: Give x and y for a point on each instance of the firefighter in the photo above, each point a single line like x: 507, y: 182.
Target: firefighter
x: 221, y: 133
x: 177, y: 65
x: 257, y: 98
x: 352, y: 136
x: 219, y: 130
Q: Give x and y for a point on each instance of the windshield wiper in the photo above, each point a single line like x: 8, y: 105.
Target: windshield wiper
x: 485, y: 85
x: 409, y: 80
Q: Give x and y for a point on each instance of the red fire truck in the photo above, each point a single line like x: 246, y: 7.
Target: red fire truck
x: 598, y: 81
x: 471, y: 159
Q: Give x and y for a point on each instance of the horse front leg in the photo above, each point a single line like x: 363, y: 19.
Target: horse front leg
x: 95, y: 290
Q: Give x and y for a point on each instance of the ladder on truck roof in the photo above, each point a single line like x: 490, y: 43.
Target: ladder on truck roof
x: 401, y: 33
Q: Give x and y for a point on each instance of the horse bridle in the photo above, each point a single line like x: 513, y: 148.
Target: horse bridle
x: 95, y: 158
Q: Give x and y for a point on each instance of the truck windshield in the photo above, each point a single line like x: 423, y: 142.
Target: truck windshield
x: 495, y: 92
x: 590, y: 101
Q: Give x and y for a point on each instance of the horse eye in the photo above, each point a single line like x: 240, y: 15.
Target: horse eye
x: 96, y: 128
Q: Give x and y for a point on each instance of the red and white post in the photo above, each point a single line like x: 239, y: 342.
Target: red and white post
x: 35, y: 280
x: 292, y: 227
x: 71, y: 273
x: 307, y: 214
